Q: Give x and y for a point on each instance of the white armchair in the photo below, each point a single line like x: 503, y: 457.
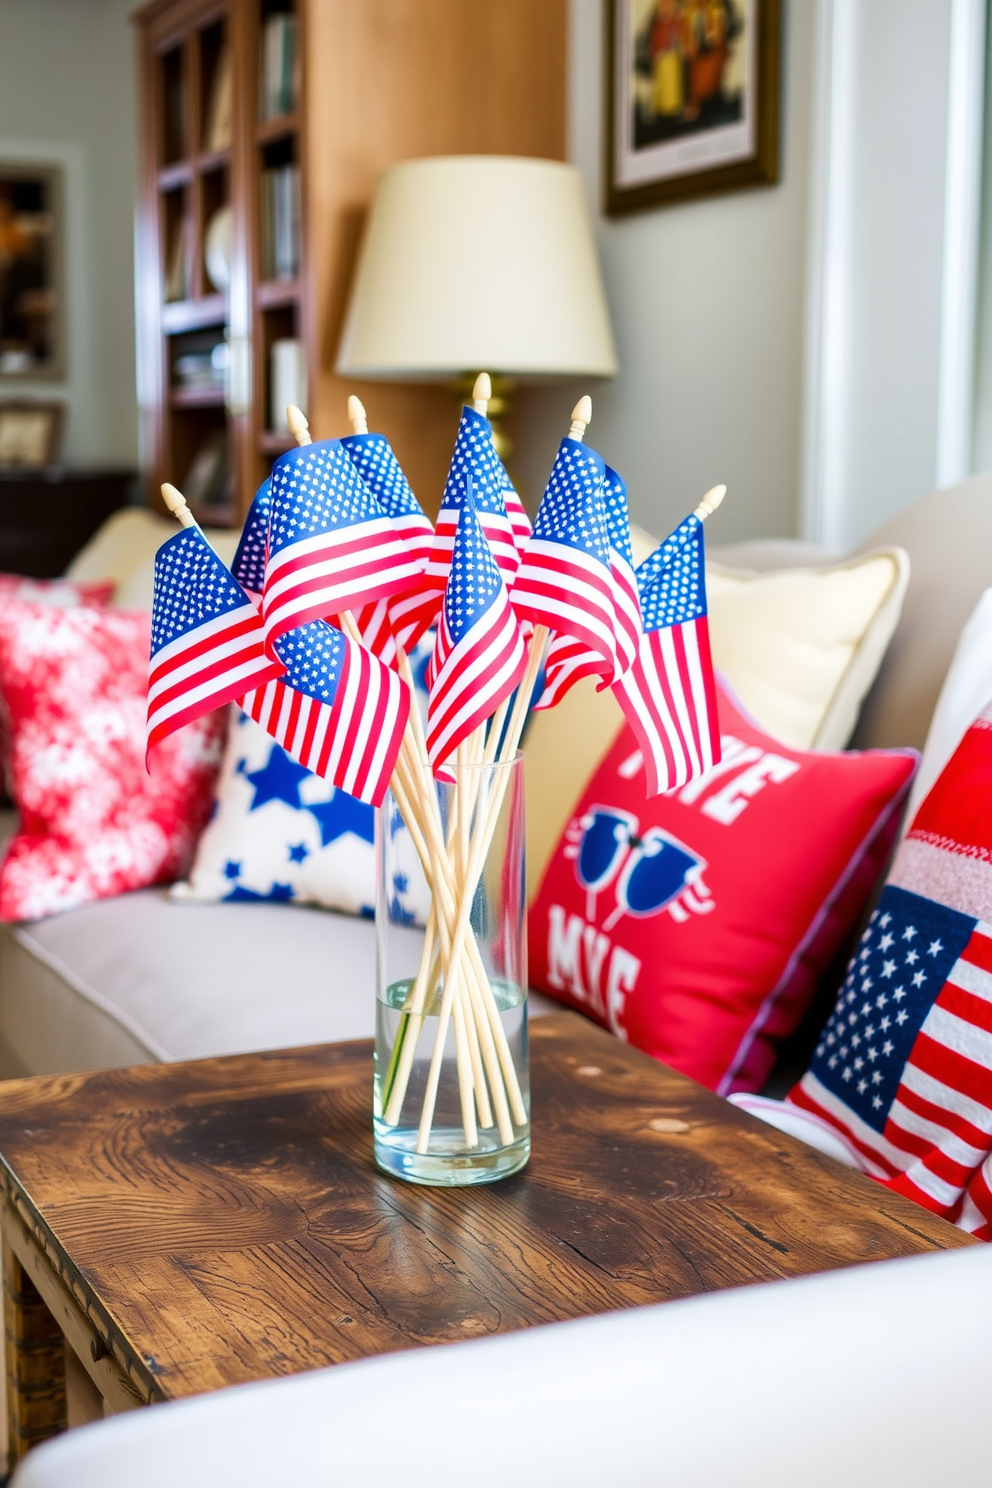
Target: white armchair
x: 875, y: 1376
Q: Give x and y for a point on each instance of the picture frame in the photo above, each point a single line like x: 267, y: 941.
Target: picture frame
x: 30, y: 435
x: 691, y: 99
x: 32, y: 308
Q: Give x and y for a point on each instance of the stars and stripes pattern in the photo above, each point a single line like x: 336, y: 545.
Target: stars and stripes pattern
x: 565, y: 580
x: 373, y: 458
x: 903, y: 1069
x: 903, y: 1065
x: 568, y: 660
x: 475, y: 464
x: 669, y: 694
x: 253, y: 546
x: 207, y: 641
x: 520, y: 523
x: 332, y: 547
x: 479, y: 656
x: 337, y: 711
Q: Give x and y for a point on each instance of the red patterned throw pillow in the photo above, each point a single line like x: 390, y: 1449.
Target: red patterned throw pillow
x: 696, y: 924
x: 93, y: 823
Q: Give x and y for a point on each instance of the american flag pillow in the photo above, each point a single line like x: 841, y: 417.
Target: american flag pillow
x: 903, y: 1070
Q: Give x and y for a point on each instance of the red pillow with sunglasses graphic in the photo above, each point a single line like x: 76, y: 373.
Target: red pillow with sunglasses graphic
x: 695, y: 924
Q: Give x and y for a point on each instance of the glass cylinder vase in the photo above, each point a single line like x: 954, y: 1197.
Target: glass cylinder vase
x: 452, y: 1093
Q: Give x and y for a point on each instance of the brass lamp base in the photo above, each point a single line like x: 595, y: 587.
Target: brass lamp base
x: 499, y: 404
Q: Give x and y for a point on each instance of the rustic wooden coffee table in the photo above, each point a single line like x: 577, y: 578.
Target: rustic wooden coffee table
x: 189, y: 1226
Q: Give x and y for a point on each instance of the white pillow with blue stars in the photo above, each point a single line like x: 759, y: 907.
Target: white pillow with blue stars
x: 279, y: 833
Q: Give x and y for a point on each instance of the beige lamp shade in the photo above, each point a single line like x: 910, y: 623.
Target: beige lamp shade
x: 478, y: 261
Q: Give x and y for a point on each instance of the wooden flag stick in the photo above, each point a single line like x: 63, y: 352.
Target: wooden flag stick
x: 356, y: 415
x: 298, y: 425
x: 482, y: 391
x: 176, y: 502
x: 710, y: 502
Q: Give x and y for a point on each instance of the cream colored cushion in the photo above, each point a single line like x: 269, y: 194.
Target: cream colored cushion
x: 124, y: 548
x: 800, y: 647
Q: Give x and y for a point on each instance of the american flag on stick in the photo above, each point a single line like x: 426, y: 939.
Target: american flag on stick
x: 669, y: 694
x: 373, y: 458
x: 475, y: 463
x: 207, y: 640
x: 332, y: 547
x: 565, y: 581
x: 569, y: 659
x: 253, y: 546
x: 479, y: 657
x: 338, y: 710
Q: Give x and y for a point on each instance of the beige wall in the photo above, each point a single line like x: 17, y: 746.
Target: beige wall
x: 67, y: 94
x: 707, y: 300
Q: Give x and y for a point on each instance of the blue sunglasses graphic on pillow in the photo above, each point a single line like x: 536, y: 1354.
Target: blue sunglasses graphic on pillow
x: 649, y: 871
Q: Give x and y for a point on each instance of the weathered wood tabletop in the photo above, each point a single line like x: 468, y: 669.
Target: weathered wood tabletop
x: 222, y: 1220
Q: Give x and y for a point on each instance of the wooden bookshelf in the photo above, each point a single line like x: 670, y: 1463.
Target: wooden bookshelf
x: 376, y: 81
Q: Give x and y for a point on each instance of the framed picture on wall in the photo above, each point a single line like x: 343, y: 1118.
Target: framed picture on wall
x: 31, y: 309
x: 692, y: 99
x: 30, y: 435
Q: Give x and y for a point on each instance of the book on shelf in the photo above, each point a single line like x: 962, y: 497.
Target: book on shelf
x: 280, y: 66
x: 176, y: 281
x: 280, y: 237
x: 208, y: 479
x: 218, y: 133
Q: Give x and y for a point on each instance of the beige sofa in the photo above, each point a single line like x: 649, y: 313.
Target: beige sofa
x: 140, y: 978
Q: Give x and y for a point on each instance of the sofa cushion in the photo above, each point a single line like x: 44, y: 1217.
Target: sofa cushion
x: 93, y: 820
x: 948, y: 536
x: 695, y: 924
x: 903, y: 1070
x: 138, y: 978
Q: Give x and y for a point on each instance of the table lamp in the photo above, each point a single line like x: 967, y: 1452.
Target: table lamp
x: 474, y: 262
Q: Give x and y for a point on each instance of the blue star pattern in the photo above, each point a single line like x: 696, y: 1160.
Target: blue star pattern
x: 313, y: 656
x: 475, y: 456
x: 340, y: 815
x: 573, y: 509
x: 672, y: 582
x: 373, y: 458
x: 249, y: 561
x: 316, y: 489
x: 298, y: 852
x: 902, y: 962
x: 279, y: 779
x: 475, y: 580
x: 617, y: 519
x: 191, y: 586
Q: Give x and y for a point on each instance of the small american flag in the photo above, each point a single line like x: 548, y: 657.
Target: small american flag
x: 568, y: 659
x: 565, y: 580
x: 207, y: 643
x: 479, y: 657
x: 473, y: 462
x: 373, y: 458
x: 669, y: 694
x: 904, y: 1066
x: 338, y: 711
x: 331, y: 544
x: 253, y: 547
